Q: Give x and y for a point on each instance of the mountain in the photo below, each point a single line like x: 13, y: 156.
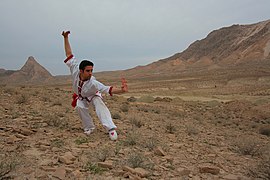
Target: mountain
x: 31, y: 72
x: 222, y: 48
x: 227, y: 46
x: 246, y: 47
x: 4, y: 72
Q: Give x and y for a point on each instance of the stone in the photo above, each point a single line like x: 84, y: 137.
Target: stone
x: 230, y: 177
x: 159, y: 151
x: 183, y: 171
x: 45, y: 162
x: 142, y: 172
x: 12, y: 139
x: 196, y: 178
x: 76, y: 174
x: 60, y: 172
x: 129, y: 169
x: 107, y: 164
x: 169, y: 158
x: 25, y: 131
x: 131, y: 99
x: 209, y: 169
x: 68, y: 158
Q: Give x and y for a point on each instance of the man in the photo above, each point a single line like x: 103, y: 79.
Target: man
x: 88, y: 91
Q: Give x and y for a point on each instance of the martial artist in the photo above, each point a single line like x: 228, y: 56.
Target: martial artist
x: 87, y: 91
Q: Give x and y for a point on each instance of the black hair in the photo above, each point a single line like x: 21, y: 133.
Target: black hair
x: 85, y: 63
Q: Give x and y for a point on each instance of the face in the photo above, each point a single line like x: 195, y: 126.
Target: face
x: 86, y: 73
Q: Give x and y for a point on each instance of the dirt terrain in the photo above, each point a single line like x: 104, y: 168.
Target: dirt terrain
x: 203, y: 113
x: 192, y: 126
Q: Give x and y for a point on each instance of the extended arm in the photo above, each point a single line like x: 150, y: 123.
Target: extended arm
x: 124, y: 88
x: 66, y: 43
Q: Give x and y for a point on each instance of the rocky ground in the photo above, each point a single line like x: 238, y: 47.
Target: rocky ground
x: 160, y: 137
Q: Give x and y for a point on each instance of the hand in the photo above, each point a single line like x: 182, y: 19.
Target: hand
x: 124, y: 86
x: 65, y: 33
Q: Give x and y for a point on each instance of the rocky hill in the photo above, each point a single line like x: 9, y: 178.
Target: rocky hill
x: 241, y: 46
x: 32, y: 72
x: 226, y: 46
x: 237, y: 45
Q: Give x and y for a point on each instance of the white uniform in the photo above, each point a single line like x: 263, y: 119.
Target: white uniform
x: 91, y: 89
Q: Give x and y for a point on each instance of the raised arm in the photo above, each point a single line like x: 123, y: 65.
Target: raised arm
x: 66, y: 43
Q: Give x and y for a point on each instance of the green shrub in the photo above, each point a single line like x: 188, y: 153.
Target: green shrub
x: 151, y: 143
x: 22, y: 99
x: 136, y: 121
x: 135, y: 160
x: 132, y: 138
x: 262, y: 169
x: 93, y: 168
x: 7, y: 164
x: 81, y: 140
x: 116, y: 116
x: 192, y: 130
x: 103, y: 154
x: 124, y: 107
x: 146, y: 99
x: 246, y: 146
x: 170, y: 128
x: 57, y: 143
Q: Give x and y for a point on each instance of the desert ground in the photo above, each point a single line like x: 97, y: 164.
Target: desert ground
x: 189, y: 126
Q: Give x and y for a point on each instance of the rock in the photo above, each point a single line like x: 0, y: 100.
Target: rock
x: 25, y: 131
x: 20, y: 136
x: 158, y: 151
x: 196, y: 178
x: 60, y: 172
x: 27, y: 170
x: 107, y: 164
x: 47, y: 168
x: 209, y: 169
x: 40, y: 174
x: 183, y: 171
x: 119, y: 172
x: 131, y: 99
x: 68, y: 158
x: 142, y: 172
x: 129, y: 169
x: 76, y: 151
x: 132, y: 176
x: 76, y: 174
x: 12, y: 139
x: 169, y: 159
x: 230, y: 177
x: 136, y: 173
x: 45, y: 162
x: 44, y: 148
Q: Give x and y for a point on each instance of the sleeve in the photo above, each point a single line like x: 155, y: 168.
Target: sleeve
x: 72, y: 63
x: 102, y: 88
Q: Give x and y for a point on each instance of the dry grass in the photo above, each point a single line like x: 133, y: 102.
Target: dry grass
x: 135, y: 160
x: 170, y: 128
x: 103, y: 154
x: 262, y: 168
x: 132, y: 138
x: 247, y: 145
x: 93, y: 168
x: 7, y: 165
x: 136, y: 120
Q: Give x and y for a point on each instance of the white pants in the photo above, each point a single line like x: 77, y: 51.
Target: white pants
x: 102, y: 112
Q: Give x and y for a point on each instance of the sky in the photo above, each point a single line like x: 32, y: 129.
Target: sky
x: 114, y: 34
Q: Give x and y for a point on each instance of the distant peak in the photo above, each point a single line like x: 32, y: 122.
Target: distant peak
x: 31, y: 58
